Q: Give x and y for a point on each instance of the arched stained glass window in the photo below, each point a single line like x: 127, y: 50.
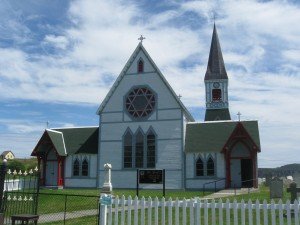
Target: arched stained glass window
x: 128, y: 150
x: 139, y: 150
x: 140, y: 66
x: 76, y: 166
x: 85, y: 168
x: 150, y: 150
x: 210, y: 167
x: 199, y: 167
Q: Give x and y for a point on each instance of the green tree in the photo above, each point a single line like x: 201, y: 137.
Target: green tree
x: 15, y: 165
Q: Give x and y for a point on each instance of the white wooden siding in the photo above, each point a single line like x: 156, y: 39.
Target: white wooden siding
x: 112, y: 117
x: 169, y: 114
x: 147, y: 66
x: 80, y: 183
x: 152, y: 80
x: 167, y: 124
x: 127, y: 179
x: 90, y: 180
x: 194, y: 182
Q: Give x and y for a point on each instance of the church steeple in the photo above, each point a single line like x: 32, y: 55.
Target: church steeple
x: 216, y: 83
x: 215, y: 67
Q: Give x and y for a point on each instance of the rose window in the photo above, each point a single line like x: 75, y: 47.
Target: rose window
x: 140, y: 102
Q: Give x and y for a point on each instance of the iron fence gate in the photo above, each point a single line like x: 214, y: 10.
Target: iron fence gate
x: 19, y: 191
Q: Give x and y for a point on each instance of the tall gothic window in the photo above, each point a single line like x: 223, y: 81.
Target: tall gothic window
x: 210, y: 167
x: 76, y: 167
x: 216, y: 94
x: 199, y: 167
x: 85, y: 168
x: 150, y: 150
x: 128, y: 150
x: 139, y: 150
x: 140, y: 66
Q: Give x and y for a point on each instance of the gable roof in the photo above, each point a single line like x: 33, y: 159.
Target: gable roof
x: 4, y: 153
x: 212, y: 136
x: 140, y: 47
x: 215, y: 66
x: 68, y: 141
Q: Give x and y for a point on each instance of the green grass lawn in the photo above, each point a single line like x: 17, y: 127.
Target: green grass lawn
x: 129, y: 192
x: 53, y: 201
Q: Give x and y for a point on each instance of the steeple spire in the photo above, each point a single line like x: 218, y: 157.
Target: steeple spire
x: 215, y: 67
x: 216, y: 83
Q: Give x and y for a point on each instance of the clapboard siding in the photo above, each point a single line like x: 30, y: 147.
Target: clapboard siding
x: 169, y: 114
x: 151, y: 80
x: 112, y: 117
x: 80, y: 183
x: 194, y: 182
x: 127, y: 179
x: 164, y: 129
x: 111, y: 152
x: 166, y: 121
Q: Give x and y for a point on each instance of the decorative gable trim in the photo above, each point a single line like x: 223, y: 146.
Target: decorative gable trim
x: 125, y: 69
x: 240, y: 134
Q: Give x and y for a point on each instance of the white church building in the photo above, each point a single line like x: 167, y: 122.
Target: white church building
x: 144, y: 125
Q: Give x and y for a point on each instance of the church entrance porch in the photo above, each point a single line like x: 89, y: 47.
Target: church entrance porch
x: 240, y: 153
x: 241, y: 171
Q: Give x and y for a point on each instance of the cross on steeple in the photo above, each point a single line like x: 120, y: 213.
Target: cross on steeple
x: 179, y: 96
x: 141, y: 38
x: 239, y: 115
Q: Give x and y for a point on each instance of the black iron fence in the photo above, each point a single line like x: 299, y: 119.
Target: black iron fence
x: 19, y: 192
x: 68, y: 209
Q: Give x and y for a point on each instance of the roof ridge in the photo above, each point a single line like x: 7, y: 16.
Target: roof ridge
x: 75, y: 127
x: 221, y: 121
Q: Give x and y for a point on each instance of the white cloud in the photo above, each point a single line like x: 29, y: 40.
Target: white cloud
x: 57, y: 41
x: 260, y: 42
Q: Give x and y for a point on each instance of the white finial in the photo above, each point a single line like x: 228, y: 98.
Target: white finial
x: 141, y: 38
x: 239, y: 116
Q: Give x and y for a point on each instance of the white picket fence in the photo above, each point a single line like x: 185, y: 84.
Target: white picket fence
x: 13, y: 185
x: 197, y: 212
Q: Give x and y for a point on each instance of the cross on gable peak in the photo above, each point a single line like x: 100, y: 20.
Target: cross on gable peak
x: 141, y: 38
x: 239, y: 115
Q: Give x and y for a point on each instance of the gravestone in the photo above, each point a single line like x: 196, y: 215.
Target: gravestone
x: 296, y: 178
x: 294, y: 191
x: 276, y: 188
x: 268, y: 179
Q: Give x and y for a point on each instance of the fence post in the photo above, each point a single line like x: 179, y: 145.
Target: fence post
x: 2, y: 181
x: 103, y: 214
x: 106, y: 195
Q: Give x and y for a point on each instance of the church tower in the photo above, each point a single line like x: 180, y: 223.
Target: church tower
x: 216, y: 83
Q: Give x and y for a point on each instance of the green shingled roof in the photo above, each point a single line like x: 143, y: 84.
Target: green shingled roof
x: 212, y: 136
x: 58, y: 141
x: 70, y: 141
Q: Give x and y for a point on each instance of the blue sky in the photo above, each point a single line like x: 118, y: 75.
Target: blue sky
x: 59, y: 58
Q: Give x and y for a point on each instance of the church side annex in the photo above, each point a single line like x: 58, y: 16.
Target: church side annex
x: 144, y: 125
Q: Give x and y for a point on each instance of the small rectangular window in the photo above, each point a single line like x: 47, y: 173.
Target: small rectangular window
x: 216, y: 94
